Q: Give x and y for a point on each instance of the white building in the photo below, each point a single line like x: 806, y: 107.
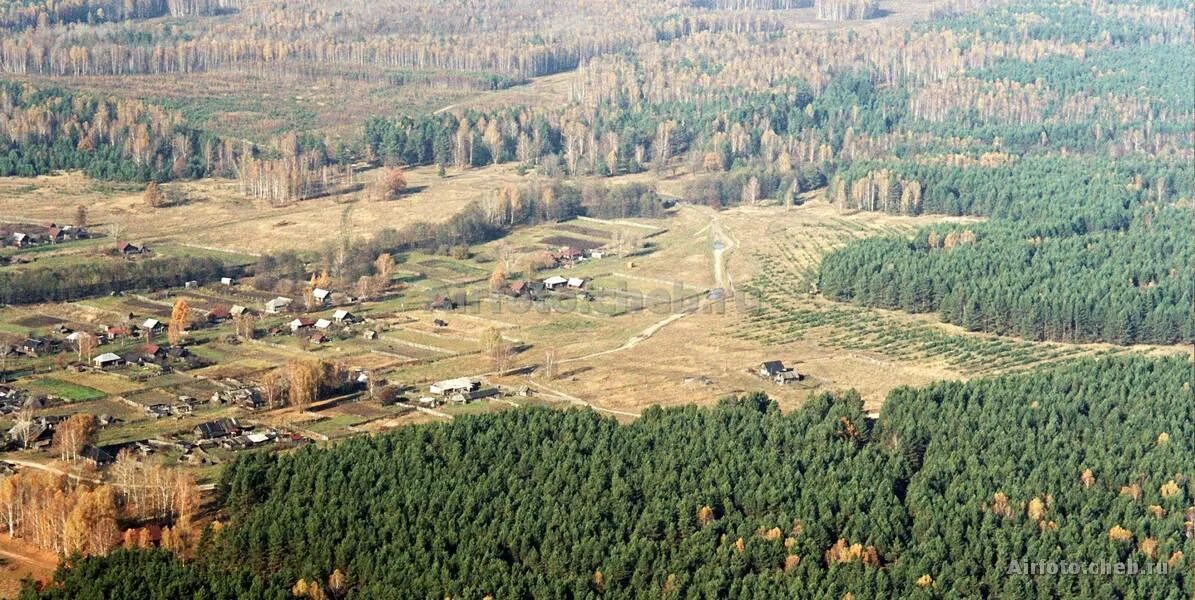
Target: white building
x: 106, y: 360
x: 454, y: 386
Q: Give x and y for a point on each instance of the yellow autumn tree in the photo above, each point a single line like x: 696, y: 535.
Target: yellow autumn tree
x: 179, y: 319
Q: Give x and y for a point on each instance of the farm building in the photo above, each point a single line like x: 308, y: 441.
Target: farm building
x: 455, y: 386
x: 322, y: 324
x: 786, y: 377
x: 477, y: 394
x: 321, y: 295
x: 151, y: 325
x: 576, y: 282
x: 344, y: 316
x: 554, y: 282
x: 237, y: 310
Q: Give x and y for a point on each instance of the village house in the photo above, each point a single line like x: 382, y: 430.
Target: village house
x: 37, y: 433
x: 35, y: 347
x: 219, y: 428
x: 769, y: 369
x: 153, y: 326
x: 524, y: 287
x: 321, y: 295
x: 21, y: 240
x: 129, y: 249
x: 278, y: 305
x: 344, y: 317
x: 554, y: 282
x: 107, y: 360
x: 576, y: 282
x: 153, y: 352
x: 96, y: 457
x: 300, y: 323
x: 568, y: 254
x: 322, y: 324
x: 777, y: 372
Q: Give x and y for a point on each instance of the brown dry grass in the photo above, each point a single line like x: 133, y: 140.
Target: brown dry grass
x: 216, y: 216
x: 19, y: 560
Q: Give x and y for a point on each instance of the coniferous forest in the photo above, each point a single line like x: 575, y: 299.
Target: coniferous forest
x: 1085, y: 462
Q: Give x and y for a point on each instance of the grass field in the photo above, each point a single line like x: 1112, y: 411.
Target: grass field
x: 66, y: 390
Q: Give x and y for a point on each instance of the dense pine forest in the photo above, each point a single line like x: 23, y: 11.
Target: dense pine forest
x: 1085, y: 461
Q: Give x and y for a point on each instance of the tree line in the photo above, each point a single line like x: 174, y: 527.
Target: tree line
x: 95, y: 278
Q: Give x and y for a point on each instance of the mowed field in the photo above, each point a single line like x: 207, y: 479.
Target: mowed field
x: 212, y: 214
